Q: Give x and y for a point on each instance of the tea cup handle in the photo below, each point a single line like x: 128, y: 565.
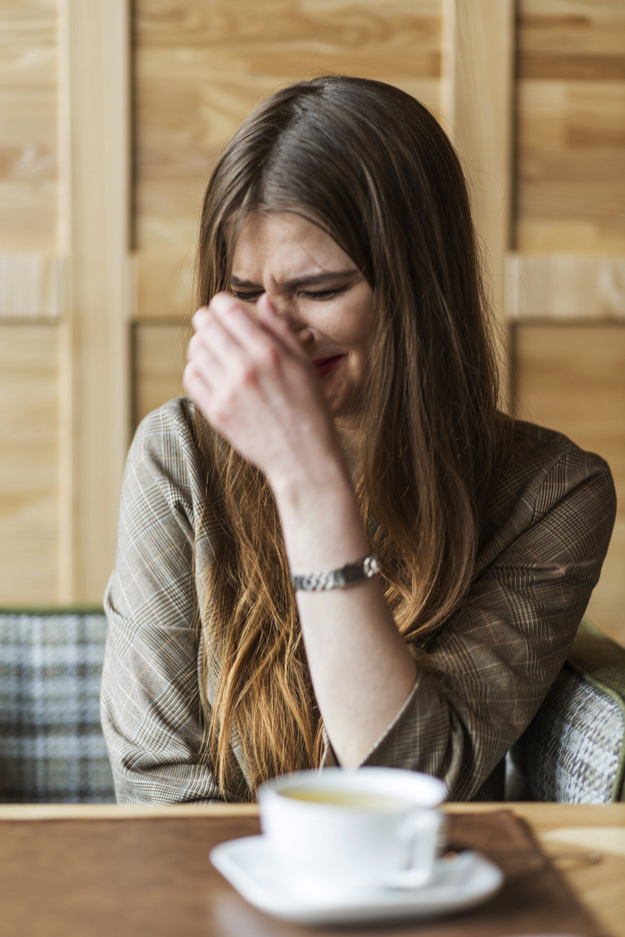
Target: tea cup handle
x: 424, y: 828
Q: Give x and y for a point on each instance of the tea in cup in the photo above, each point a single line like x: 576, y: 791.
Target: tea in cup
x: 355, y: 829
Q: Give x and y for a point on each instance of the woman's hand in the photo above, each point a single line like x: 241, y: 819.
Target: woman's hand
x: 254, y: 382
x: 251, y: 378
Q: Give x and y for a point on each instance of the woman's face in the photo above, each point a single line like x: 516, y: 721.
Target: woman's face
x: 315, y: 285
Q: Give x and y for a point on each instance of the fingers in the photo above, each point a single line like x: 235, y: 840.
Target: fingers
x: 197, y: 386
x: 252, y: 379
x: 228, y: 343
x: 238, y: 348
x: 253, y: 328
x: 200, y: 375
x: 213, y: 344
x: 228, y: 350
x: 278, y: 326
x: 208, y: 352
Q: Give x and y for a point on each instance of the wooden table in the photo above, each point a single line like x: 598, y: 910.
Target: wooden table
x: 571, y: 836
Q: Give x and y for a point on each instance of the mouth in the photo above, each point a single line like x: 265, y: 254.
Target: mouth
x: 323, y: 366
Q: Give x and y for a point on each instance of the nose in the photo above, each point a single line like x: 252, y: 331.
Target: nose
x: 287, y: 307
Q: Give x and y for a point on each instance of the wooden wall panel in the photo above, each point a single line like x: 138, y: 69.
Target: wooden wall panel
x: 95, y: 380
x: 477, y: 96
x: 32, y: 288
x: 571, y: 125
x: 159, y: 355
x: 572, y: 378
x: 28, y: 157
x: 565, y: 286
x: 33, y: 285
x: 162, y: 283
x: 201, y: 66
x: 28, y: 464
x: 569, y: 234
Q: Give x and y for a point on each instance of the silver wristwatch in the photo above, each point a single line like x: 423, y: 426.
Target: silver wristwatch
x: 348, y: 575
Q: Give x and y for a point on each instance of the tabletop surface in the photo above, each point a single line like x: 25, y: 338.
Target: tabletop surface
x: 586, y: 844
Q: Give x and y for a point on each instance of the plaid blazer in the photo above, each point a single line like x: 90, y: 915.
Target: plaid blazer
x: 489, y: 667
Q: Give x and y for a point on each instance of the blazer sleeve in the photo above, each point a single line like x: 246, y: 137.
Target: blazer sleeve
x: 150, y: 703
x: 494, y: 661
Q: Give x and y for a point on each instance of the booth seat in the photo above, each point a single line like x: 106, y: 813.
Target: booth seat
x: 574, y: 749
x: 52, y: 749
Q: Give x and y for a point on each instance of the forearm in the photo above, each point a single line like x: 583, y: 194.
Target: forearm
x: 253, y: 379
x: 361, y: 668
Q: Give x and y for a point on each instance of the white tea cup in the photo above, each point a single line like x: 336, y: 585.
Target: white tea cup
x: 355, y: 828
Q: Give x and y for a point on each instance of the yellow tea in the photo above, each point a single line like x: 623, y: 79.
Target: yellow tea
x: 368, y: 801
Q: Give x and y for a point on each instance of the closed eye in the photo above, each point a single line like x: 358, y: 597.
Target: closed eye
x: 321, y: 295
x: 250, y: 296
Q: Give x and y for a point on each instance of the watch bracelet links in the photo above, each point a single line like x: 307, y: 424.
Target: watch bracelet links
x: 349, y: 575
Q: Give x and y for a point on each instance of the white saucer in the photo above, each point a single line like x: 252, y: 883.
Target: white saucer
x: 251, y: 867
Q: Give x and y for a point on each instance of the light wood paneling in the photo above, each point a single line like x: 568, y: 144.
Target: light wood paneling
x: 28, y: 160
x: 158, y: 362
x: 574, y: 39
x: 33, y: 285
x: 201, y: 66
x: 163, y: 284
x: 477, y: 98
x: 28, y: 464
x: 95, y: 408
x: 571, y: 126
x: 570, y: 198
x: 572, y: 378
x: 565, y: 286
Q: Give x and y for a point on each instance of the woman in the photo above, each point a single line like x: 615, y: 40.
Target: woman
x: 337, y: 550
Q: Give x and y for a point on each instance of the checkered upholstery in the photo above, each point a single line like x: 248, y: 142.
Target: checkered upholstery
x: 51, y: 745
x: 574, y: 749
x: 52, y: 749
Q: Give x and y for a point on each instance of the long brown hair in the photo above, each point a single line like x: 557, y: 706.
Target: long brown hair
x: 373, y: 167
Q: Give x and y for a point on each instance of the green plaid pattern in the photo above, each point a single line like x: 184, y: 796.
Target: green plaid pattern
x: 51, y: 745
x: 574, y: 749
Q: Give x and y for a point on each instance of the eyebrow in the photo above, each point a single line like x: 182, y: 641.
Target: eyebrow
x: 312, y: 280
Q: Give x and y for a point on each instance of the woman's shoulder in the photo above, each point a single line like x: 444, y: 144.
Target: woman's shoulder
x: 535, y: 453
x: 543, y: 470
x: 165, y: 451
x: 173, y: 423
x: 168, y: 435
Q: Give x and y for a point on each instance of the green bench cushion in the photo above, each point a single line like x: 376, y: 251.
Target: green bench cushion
x: 574, y: 749
x: 52, y: 748
x: 51, y: 745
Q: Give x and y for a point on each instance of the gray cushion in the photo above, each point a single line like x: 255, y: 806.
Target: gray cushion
x: 574, y: 749
x: 51, y: 745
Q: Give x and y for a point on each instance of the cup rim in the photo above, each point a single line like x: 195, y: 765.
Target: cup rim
x: 422, y: 790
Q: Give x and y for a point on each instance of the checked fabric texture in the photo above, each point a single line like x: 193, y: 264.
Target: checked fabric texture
x: 52, y: 749
x: 51, y: 745
x: 574, y: 750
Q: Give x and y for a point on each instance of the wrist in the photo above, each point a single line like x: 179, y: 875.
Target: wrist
x: 306, y: 482
x: 321, y: 523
